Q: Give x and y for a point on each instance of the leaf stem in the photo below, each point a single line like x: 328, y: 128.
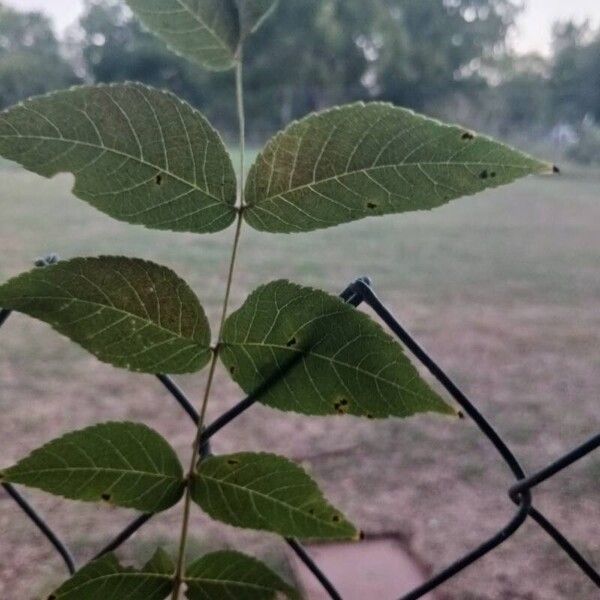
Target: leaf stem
x: 239, y: 86
x: 196, y: 450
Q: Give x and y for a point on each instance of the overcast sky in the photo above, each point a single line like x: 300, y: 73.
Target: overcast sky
x: 534, y: 28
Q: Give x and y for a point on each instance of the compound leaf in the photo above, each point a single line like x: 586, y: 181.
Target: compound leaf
x: 300, y: 349
x: 106, y: 579
x: 363, y: 160
x: 138, y: 154
x: 253, y: 13
x: 124, y: 464
x: 229, y: 574
x: 128, y: 312
x: 267, y: 492
x: 205, y: 31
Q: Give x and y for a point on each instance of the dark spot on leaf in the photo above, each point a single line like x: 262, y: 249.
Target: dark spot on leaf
x: 493, y: 174
x: 159, y: 179
x: 370, y: 416
x: 484, y: 174
x: 555, y: 169
x: 52, y: 597
x: 335, y: 518
x: 341, y: 406
x: 461, y: 414
x: 106, y: 497
x: 232, y: 369
x: 311, y: 511
x: 372, y: 205
x: 467, y: 135
x: 291, y: 342
x: 233, y: 462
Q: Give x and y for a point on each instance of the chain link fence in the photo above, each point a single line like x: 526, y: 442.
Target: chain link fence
x: 521, y: 493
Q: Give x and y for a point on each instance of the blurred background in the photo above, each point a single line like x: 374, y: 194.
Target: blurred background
x: 503, y: 288
x: 526, y: 70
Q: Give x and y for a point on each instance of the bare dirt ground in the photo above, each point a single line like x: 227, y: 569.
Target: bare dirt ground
x: 504, y: 289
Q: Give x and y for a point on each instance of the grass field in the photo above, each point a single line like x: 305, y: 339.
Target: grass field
x: 504, y: 288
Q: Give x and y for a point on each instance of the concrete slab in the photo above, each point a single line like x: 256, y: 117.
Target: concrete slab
x: 378, y: 569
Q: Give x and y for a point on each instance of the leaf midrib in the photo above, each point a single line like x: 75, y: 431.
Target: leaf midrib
x: 388, y: 166
x: 270, y: 498
x: 327, y: 359
x: 187, y: 579
x: 168, y: 172
x: 227, y: 582
x: 112, y: 308
x: 154, y: 475
x: 198, y: 20
x: 109, y: 576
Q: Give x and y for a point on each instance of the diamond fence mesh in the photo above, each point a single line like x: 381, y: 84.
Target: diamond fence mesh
x: 521, y: 493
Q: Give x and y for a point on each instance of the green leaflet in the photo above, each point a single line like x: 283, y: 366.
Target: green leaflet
x: 362, y: 160
x: 205, y: 31
x: 253, y: 13
x: 125, y: 464
x: 229, y: 574
x: 106, y: 579
x: 219, y: 575
x: 128, y: 312
x: 336, y: 360
x: 267, y: 492
x: 138, y: 154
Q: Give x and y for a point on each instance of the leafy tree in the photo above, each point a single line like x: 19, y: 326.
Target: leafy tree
x: 26, y: 31
x: 409, y: 53
x: 445, y: 43
x: 575, y: 75
x: 519, y: 101
x: 413, y: 53
x: 30, y: 57
x: 321, y: 60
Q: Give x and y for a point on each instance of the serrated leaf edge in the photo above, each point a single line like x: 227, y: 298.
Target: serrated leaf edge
x: 287, y: 589
x: 343, y: 519
x: 181, y: 54
x: 451, y: 411
x: 202, y: 349
x: 135, y: 85
x: 5, y: 475
x: 545, y: 168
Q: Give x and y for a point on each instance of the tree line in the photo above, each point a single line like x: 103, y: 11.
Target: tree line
x: 439, y: 56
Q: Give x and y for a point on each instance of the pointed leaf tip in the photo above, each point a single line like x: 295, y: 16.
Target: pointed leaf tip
x: 335, y: 359
x: 364, y: 160
x: 124, y: 464
x: 253, y: 13
x: 267, y: 492
x: 204, y: 31
x: 229, y: 574
x: 207, y: 32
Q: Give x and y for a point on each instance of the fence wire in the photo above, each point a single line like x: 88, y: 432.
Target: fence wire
x: 521, y: 493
